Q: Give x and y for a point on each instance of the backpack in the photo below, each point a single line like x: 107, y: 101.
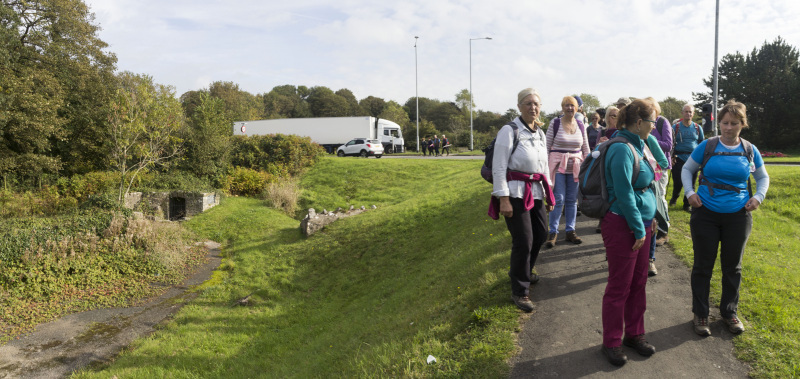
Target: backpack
x: 709, y: 152
x: 486, y: 170
x: 592, y: 190
x: 557, y: 125
x: 676, y: 132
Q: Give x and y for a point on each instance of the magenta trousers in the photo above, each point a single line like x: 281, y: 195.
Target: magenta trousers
x: 625, y: 300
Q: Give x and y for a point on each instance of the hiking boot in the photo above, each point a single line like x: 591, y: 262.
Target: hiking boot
x: 551, y: 240
x: 572, y: 237
x: 652, y: 271
x: 661, y: 238
x: 734, y: 325
x: 615, y: 355
x: 639, y: 344
x: 701, y: 326
x: 597, y: 229
x: 524, y: 303
x: 534, y: 278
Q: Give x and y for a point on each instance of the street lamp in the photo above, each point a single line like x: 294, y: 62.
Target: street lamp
x: 471, y: 147
x: 416, y: 83
x: 716, y: 72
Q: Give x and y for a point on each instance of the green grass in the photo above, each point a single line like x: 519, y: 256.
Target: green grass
x: 770, y: 290
x: 370, y: 296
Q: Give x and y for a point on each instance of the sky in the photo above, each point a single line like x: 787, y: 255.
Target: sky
x: 605, y: 48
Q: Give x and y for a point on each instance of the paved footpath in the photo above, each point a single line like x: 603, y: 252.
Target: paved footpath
x: 563, y: 336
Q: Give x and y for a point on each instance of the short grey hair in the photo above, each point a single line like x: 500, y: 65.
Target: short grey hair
x: 688, y: 105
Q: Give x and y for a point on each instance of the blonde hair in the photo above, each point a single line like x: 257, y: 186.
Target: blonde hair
x: 569, y: 100
x: 736, y: 109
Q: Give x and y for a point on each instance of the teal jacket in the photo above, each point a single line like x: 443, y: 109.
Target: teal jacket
x: 635, y: 206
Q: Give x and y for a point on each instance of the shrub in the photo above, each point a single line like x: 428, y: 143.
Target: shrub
x: 283, y: 195
x: 247, y: 182
x: 275, y: 151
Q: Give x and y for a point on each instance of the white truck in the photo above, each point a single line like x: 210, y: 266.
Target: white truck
x: 330, y: 132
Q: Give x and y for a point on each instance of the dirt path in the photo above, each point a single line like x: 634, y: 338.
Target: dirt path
x: 57, y: 348
x: 564, y: 335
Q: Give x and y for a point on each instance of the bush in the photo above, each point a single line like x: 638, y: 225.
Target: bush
x: 275, y: 152
x: 283, y: 195
x: 247, y: 182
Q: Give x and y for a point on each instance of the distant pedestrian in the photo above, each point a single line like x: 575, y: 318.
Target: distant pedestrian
x: 436, y: 144
x: 424, y: 144
x: 687, y: 135
x: 594, y: 131
x: 445, y: 145
x: 721, y: 218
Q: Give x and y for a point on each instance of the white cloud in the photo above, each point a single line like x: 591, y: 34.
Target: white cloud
x: 654, y: 48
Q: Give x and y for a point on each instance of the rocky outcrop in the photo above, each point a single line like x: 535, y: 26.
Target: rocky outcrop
x: 314, y: 222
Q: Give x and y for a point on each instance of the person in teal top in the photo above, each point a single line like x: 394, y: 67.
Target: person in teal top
x: 627, y: 232
x: 687, y: 136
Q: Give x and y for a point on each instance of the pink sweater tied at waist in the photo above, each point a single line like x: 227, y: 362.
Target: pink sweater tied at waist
x: 527, y: 197
x: 558, y: 161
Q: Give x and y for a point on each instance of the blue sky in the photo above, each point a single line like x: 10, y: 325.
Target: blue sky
x: 605, y: 48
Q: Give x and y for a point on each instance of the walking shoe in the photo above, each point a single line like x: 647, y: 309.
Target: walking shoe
x: 597, y: 229
x: 615, y: 355
x: 572, y: 237
x: 652, y: 271
x: 672, y: 202
x: 524, y: 303
x: 734, y: 325
x: 534, y: 278
x: 639, y: 344
x: 701, y: 326
x: 687, y: 208
x: 551, y: 240
x: 661, y: 238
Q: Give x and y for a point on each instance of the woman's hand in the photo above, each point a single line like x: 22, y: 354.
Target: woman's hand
x: 505, y: 207
x: 602, y: 139
x: 752, y: 204
x: 638, y: 244
x: 695, y: 201
x: 550, y: 207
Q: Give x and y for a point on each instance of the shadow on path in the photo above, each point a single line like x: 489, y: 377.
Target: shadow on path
x: 564, y: 336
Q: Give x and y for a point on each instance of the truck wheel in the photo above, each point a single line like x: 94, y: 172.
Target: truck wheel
x: 340, y: 153
x: 363, y: 153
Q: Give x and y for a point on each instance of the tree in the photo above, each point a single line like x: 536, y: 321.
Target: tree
x: 240, y: 105
x: 426, y: 105
x: 445, y: 115
x: 353, y: 109
x: 394, y: 112
x: 766, y: 80
x: 286, y: 101
x: 372, y: 105
x: 324, y: 103
x: 590, y: 103
x: 208, y: 139
x: 672, y: 108
x: 463, y: 101
x: 144, y: 124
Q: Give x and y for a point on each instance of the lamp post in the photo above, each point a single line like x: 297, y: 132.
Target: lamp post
x: 716, y: 72
x: 471, y: 147
x: 416, y: 84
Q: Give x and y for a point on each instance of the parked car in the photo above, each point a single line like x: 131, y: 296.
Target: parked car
x: 362, y: 147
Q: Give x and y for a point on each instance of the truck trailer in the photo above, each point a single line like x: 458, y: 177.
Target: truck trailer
x: 330, y: 132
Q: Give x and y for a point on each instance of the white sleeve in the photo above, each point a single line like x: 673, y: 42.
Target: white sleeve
x: 502, y: 154
x: 689, y: 168
x: 762, y: 183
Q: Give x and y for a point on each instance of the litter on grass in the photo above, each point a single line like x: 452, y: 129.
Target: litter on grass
x: 431, y: 359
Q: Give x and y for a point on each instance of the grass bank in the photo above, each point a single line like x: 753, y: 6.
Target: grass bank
x: 370, y: 296
x: 770, y: 290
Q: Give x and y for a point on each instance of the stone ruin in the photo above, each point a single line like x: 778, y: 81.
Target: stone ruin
x: 314, y: 222
x: 172, y: 205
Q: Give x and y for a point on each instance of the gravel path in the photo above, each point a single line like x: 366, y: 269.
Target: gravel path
x: 563, y: 336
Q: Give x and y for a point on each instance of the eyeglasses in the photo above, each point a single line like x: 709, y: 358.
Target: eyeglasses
x: 644, y: 119
x: 530, y: 104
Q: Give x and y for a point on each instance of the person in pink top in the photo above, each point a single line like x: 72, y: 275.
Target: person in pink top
x: 567, y: 145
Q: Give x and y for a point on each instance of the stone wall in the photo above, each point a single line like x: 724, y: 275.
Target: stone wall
x: 158, y: 203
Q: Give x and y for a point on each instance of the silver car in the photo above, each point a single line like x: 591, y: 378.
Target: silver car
x: 362, y: 147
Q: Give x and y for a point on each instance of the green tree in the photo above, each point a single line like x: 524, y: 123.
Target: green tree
x: 240, y: 105
x: 672, y: 108
x: 372, y: 105
x: 393, y: 111
x: 286, y: 101
x: 145, y: 123
x: 463, y: 101
x: 208, y: 139
x: 446, y: 115
x: 353, y: 108
x: 324, y: 103
x: 766, y: 80
x: 590, y: 103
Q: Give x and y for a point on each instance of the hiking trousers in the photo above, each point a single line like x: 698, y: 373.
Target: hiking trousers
x: 625, y: 300
x: 728, y: 233
x: 677, y: 185
x: 528, y: 230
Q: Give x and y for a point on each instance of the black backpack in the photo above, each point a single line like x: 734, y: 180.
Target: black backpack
x: 709, y: 152
x: 592, y: 190
x: 486, y: 170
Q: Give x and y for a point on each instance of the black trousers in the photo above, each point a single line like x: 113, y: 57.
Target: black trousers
x: 528, y: 232
x: 677, y: 186
x: 727, y: 232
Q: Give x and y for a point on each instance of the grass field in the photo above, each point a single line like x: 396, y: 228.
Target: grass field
x: 423, y: 274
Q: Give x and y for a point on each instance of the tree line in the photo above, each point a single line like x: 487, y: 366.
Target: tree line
x: 64, y: 110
